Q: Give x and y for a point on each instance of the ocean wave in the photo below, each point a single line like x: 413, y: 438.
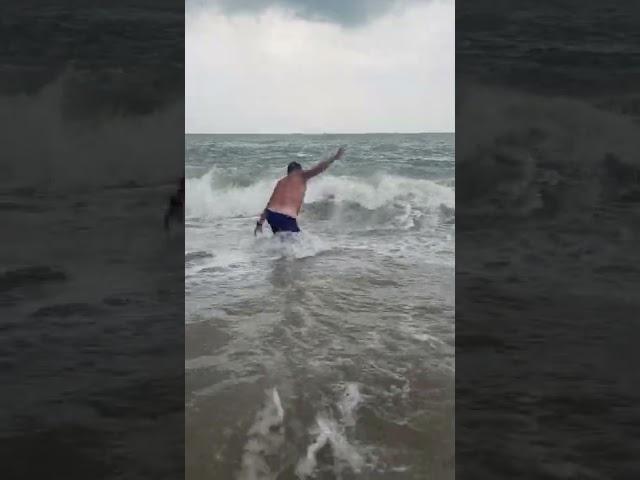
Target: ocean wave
x: 30, y: 276
x: 49, y: 148
x: 354, y: 199
x: 525, y: 155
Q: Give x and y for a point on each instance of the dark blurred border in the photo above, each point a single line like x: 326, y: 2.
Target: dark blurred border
x: 548, y: 228
x: 91, y: 284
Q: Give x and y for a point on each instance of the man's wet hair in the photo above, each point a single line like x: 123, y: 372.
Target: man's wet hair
x: 293, y: 166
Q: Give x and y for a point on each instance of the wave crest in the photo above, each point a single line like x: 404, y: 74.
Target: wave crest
x: 527, y: 155
x: 214, y: 196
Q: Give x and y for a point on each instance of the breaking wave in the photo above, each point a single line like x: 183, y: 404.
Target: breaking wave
x: 349, y: 198
x: 47, y: 147
x: 525, y: 154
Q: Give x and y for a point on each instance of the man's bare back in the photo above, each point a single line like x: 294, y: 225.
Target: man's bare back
x: 286, y: 200
x: 288, y: 194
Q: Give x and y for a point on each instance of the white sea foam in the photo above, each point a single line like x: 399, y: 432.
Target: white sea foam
x: 209, y: 197
x: 349, y: 403
x: 292, y: 245
x: 328, y: 431
x: 266, y: 437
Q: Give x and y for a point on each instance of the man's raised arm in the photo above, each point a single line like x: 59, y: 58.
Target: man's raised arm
x: 322, y: 166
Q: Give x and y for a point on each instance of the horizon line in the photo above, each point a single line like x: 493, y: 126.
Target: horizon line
x: 316, y: 133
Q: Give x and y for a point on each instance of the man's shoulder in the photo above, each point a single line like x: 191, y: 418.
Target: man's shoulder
x: 285, y: 180
x: 292, y: 180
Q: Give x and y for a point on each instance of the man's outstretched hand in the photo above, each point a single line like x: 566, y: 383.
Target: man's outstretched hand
x: 339, y: 153
x: 323, y: 165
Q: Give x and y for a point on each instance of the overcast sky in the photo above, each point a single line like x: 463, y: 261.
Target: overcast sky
x: 314, y: 66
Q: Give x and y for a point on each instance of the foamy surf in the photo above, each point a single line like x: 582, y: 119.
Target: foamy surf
x: 300, y: 310
x: 348, y: 404
x: 291, y: 245
x: 266, y: 437
x: 209, y: 197
x: 329, y: 432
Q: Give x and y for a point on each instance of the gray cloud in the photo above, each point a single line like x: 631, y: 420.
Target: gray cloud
x: 348, y: 13
x: 272, y: 73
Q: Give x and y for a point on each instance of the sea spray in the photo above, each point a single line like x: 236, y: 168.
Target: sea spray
x: 210, y: 197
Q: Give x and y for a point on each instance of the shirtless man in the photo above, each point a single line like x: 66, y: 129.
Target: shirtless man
x: 284, y: 205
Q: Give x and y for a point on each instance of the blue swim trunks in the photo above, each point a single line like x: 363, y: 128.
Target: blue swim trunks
x: 281, y: 223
